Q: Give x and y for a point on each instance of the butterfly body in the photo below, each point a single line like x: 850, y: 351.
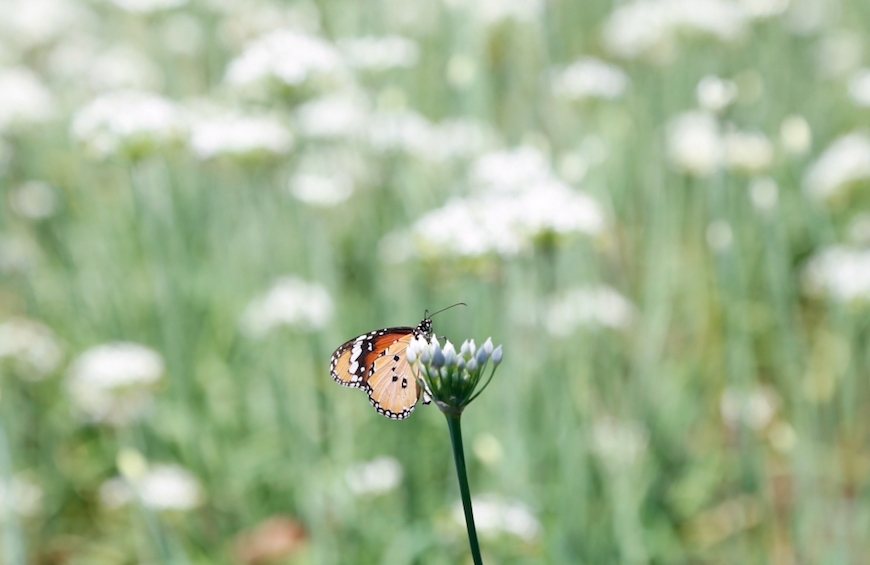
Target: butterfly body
x: 376, y: 362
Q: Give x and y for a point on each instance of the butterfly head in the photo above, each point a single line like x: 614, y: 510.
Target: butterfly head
x: 424, y: 329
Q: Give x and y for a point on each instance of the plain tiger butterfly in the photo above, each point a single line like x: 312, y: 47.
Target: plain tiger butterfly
x: 376, y: 362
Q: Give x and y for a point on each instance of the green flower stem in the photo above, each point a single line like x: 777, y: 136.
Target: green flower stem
x: 462, y: 475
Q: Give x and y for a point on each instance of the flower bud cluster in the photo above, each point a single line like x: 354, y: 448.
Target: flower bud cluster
x: 452, y: 377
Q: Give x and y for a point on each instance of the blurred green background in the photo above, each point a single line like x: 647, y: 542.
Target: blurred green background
x: 659, y: 208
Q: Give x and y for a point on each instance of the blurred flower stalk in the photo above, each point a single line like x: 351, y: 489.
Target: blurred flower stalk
x: 453, y: 380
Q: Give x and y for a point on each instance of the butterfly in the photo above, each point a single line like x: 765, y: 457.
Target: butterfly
x: 376, y: 362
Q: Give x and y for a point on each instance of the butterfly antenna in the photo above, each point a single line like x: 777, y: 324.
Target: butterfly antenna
x: 427, y: 315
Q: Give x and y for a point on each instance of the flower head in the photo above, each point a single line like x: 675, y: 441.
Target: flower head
x: 451, y: 378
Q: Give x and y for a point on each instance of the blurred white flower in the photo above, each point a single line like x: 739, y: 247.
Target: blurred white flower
x: 373, y: 53
x: 233, y: 134
x: 749, y: 152
x: 31, y: 345
x: 399, y: 130
x: 457, y: 138
x: 719, y: 235
x: 71, y: 58
x: 839, y: 53
x: 592, y: 306
x: 24, y: 100
x: 334, y: 116
x: 846, y: 160
x: 289, y: 302
x: 619, y: 444
x: 378, y: 476
x: 123, y: 66
x: 650, y: 27
x: 326, y: 189
x: 287, y: 56
x: 694, y: 143
x: 590, y: 78
x: 841, y: 272
x: 503, y: 224
x: 168, y: 487
x: 32, y: 23
x: 495, y: 514
x: 126, y: 120
x: 859, y: 87
x: 147, y: 6
x: 764, y: 193
x: 714, y: 94
x: 20, y: 495
x: 755, y: 408
x: 110, y: 383
x: 158, y: 487
x: 33, y: 199
x: 510, y: 170
x: 795, y: 134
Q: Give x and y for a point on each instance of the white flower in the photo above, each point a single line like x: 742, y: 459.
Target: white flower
x: 846, y: 160
x: 590, y: 78
x: 33, y: 199
x: 24, y: 100
x: 147, y: 6
x: 456, y: 139
x: 288, y: 56
x: 290, y: 302
x: 764, y: 193
x: 109, y: 383
x: 694, y: 143
x: 158, y: 487
x: 589, y: 306
x: 510, y: 170
x: 714, y: 94
x: 754, y: 408
x: 618, y: 444
x: 123, y: 66
x: 750, y: 152
x: 839, y: 53
x: 859, y: 88
x: 31, y: 23
x: 126, y: 120
x: 502, y: 224
x: 402, y: 130
x: 30, y: 344
x: 321, y: 189
x: 379, y: 53
x: 839, y: 271
x: 335, y: 116
x: 238, y: 135
x: 20, y: 495
x: 647, y: 27
x: 494, y: 514
x: 168, y: 487
x: 795, y: 134
x: 378, y: 476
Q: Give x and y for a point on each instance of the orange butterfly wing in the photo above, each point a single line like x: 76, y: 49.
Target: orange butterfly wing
x: 376, y: 363
x: 392, y: 386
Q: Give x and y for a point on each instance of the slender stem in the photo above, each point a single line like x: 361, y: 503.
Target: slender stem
x: 459, y: 458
